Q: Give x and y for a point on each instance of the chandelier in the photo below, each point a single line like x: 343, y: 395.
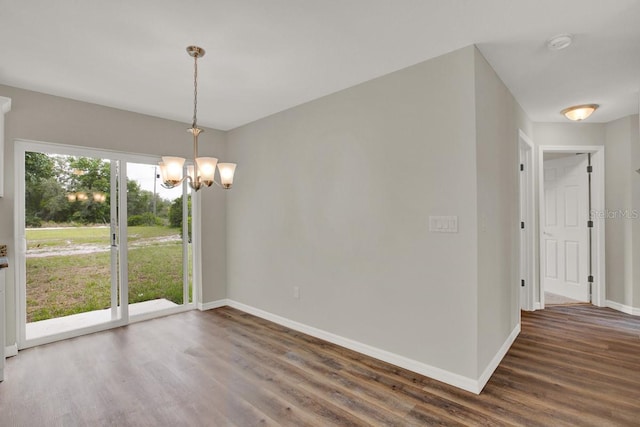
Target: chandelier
x: 202, y: 171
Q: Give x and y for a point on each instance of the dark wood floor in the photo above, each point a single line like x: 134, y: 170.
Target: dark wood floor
x: 575, y: 365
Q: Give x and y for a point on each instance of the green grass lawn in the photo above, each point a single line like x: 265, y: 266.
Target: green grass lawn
x: 61, y: 285
x: 73, y: 236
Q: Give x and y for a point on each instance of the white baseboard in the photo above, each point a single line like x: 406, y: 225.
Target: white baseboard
x: 212, y: 304
x: 623, y: 308
x: 447, y: 377
x: 493, y: 365
x: 537, y: 306
x: 11, y: 350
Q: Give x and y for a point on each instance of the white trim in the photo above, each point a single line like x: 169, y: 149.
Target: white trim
x: 161, y: 313
x: 185, y: 240
x: 5, y: 107
x: 78, y: 150
x: 597, y: 204
x: 28, y: 343
x: 623, y: 308
x: 196, y: 248
x: 20, y: 243
x: 213, y: 304
x: 11, y: 350
x: 450, y: 378
x: 33, y: 342
x: 123, y: 239
x: 495, y: 362
x: 527, y: 214
x: 537, y: 306
x: 114, y: 165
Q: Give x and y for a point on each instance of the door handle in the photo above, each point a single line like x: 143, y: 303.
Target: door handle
x: 547, y: 234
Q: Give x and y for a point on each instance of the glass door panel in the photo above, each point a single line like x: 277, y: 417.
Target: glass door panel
x: 157, y: 253
x: 70, y: 260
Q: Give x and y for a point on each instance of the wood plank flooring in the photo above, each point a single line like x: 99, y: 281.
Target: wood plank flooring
x: 573, y: 365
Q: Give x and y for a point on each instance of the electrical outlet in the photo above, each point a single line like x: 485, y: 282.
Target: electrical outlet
x: 296, y: 292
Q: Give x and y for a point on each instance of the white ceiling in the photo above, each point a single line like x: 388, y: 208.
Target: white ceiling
x: 264, y: 56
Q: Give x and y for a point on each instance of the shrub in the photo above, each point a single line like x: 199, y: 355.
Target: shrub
x: 33, y: 221
x: 146, y: 219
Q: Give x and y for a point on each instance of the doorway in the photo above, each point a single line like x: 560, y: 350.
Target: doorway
x: 565, y: 246
x: 99, y: 244
x: 571, y: 236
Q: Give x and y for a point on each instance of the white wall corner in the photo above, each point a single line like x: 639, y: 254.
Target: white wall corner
x: 623, y: 308
x: 11, y: 350
x: 433, y: 372
x: 493, y: 365
x: 212, y: 304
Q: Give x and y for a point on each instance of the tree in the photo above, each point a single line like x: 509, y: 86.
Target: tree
x: 39, y: 167
x: 175, y: 214
x: 55, y: 205
x: 51, y: 178
x: 89, y: 176
x: 139, y: 201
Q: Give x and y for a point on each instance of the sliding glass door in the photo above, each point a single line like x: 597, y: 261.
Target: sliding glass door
x: 99, y: 242
x: 69, y: 219
x: 157, y: 251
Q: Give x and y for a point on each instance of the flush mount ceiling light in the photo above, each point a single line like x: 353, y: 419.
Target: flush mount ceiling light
x: 579, y: 112
x: 559, y: 42
x: 202, y: 171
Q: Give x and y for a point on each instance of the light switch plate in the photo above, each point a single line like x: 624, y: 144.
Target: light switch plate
x: 443, y: 224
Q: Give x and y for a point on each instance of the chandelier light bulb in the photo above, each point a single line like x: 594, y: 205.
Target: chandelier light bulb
x: 227, y: 170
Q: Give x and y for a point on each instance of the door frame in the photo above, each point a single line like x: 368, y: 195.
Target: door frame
x: 527, y: 215
x: 22, y: 146
x: 598, y: 290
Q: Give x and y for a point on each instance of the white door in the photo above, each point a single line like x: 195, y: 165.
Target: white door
x: 565, y: 234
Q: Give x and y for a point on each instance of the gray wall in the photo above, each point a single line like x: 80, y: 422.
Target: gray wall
x: 335, y: 199
x: 498, y: 118
x: 619, y: 237
x: 569, y: 133
x: 623, y: 198
x: 35, y: 116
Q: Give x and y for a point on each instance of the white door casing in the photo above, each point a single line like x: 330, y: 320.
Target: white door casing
x: 565, y: 239
x: 527, y: 215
